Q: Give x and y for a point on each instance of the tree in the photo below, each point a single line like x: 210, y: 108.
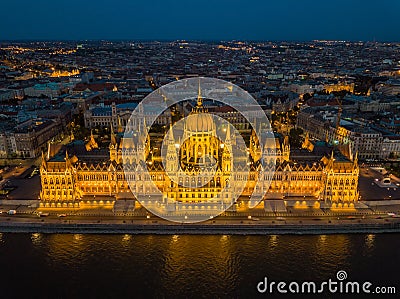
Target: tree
x: 156, y: 128
x: 341, y: 93
x: 295, y: 138
x: 307, y: 96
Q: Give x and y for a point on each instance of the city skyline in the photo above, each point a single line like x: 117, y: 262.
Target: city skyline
x: 207, y: 21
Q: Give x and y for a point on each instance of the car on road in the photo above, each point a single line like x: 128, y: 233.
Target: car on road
x: 393, y: 215
x: 41, y: 214
x: 33, y: 173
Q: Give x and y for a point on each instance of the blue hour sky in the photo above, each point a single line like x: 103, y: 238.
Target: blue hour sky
x: 201, y: 20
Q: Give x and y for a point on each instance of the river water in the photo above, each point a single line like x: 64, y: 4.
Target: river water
x: 209, y: 266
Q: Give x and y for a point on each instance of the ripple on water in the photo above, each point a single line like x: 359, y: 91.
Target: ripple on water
x: 184, y: 265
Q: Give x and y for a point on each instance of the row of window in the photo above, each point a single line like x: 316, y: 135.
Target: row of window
x: 198, y: 195
x: 281, y: 177
x: 57, y: 181
x: 347, y: 182
x: 339, y: 193
x: 59, y: 193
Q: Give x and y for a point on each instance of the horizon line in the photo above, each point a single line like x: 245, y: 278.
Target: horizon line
x: 197, y: 40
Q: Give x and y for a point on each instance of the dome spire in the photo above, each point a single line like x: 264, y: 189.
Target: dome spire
x: 199, y: 98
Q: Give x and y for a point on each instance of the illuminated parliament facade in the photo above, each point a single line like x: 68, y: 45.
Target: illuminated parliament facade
x: 82, y: 174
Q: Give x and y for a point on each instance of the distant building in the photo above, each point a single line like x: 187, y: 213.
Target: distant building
x: 390, y: 147
x: 93, y: 87
x: 320, y: 124
x: 392, y: 124
x: 29, y: 139
x: 7, y: 94
x: 82, y: 100
x: 118, y: 115
x: 390, y: 87
x: 340, y: 86
x: 50, y: 89
x: 304, y: 87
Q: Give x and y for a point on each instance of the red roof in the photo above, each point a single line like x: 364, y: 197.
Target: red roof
x: 314, y: 103
x: 223, y: 109
x: 94, y: 86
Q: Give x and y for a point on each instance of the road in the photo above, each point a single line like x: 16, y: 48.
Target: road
x: 220, y: 220
x: 369, y: 190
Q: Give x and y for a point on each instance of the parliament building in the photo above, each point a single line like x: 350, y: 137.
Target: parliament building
x: 84, y: 175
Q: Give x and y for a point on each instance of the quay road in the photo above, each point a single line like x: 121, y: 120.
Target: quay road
x: 220, y: 220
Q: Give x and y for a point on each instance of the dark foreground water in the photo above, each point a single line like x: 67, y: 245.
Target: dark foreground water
x: 131, y: 266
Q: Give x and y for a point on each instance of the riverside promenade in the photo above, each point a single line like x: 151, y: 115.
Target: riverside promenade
x: 219, y: 225
x: 373, y: 217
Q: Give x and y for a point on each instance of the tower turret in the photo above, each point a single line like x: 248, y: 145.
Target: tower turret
x: 120, y: 129
x: 113, y: 145
x: 172, y: 156
x: 226, y: 164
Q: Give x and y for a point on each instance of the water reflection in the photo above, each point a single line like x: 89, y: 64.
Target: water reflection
x: 78, y: 237
x: 36, y: 238
x: 126, y: 239
x: 199, y: 260
x: 331, y: 251
x: 187, y: 265
x: 273, y: 241
x: 322, y: 240
x: 369, y: 241
x: 67, y: 249
x: 224, y: 238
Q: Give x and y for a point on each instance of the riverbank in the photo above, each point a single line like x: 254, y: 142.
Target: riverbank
x: 225, y: 228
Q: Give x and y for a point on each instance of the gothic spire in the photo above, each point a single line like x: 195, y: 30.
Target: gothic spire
x: 228, y: 135
x: 44, y: 163
x: 120, y: 129
x: 355, y: 161
x: 113, y: 139
x: 199, y: 98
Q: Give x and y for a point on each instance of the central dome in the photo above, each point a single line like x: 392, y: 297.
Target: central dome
x: 200, y: 122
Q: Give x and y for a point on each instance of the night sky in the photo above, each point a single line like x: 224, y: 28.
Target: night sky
x: 201, y: 20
